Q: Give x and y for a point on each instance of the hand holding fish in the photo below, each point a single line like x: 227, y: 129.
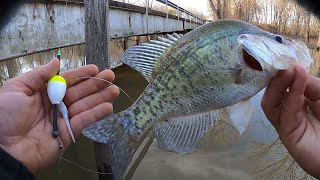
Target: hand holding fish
x: 295, y: 114
x: 26, y: 112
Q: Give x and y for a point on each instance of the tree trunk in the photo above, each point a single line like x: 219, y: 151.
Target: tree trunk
x: 308, y: 27
x: 226, y: 9
x: 318, y: 45
x: 214, y: 9
x: 219, y: 9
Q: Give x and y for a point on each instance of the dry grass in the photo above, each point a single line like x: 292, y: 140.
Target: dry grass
x: 272, y: 161
x: 222, y: 132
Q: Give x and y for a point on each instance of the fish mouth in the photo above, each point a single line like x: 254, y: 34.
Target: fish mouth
x: 250, y: 61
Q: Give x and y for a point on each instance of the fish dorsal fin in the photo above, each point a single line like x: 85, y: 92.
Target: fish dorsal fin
x: 241, y: 113
x: 181, y: 134
x: 143, y: 57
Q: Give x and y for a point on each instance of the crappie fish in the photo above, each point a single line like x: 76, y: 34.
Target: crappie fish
x: 219, y: 64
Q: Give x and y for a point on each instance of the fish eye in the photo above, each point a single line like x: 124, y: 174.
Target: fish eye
x: 279, y: 39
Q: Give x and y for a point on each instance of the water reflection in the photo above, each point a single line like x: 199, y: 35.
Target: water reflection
x: 259, y: 146
x: 72, y: 57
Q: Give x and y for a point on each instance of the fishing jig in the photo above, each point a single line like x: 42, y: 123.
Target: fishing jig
x: 57, y: 87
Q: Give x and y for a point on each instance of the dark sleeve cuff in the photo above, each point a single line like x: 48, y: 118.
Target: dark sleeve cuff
x: 12, y: 169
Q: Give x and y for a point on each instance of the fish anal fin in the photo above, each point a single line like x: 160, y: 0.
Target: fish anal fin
x: 241, y: 113
x: 181, y: 134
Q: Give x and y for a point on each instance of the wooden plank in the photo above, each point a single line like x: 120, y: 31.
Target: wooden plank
x: 97, y: 37
x: 97, y: 32
x: 103, y: 160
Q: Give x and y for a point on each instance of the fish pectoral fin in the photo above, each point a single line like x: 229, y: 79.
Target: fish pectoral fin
x: 241, y: 114
x: 181, y: 134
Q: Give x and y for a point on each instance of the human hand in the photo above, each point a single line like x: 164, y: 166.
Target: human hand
x: 26, y: 112
x: 295, y: 114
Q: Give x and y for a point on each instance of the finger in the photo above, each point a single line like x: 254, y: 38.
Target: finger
x: 72, y: 75
x: 38, y: 77
x: 90, y: 116
x: 312, y: 93
x: 313, y: 88
x: 88, y: 87
x: 274, y: 95
x: 106, y: 95
x: 312, y: 112
x: 277, y: 88
x: 293, y: 108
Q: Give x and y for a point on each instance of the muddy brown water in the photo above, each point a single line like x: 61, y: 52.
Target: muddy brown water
x: 221, y: 154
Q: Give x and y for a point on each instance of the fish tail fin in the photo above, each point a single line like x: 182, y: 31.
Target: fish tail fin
x: 113, y: 130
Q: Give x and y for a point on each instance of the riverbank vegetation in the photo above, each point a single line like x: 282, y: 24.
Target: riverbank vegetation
x: 277, y: 16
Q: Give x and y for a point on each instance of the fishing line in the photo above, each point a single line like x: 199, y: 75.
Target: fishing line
x: 100, y: 79
x: 81, y: 167
x: 73, y: 163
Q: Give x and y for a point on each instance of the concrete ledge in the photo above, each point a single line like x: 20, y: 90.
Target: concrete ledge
x: 43, y: 26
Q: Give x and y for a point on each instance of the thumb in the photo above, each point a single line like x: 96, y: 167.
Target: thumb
x: 37, y: 78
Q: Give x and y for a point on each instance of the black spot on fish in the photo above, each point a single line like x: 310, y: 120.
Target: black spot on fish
x: 156, y: 107
x: 174, y: 98
x: 144, y: 111
x: 147, y: 103
x: 185, y: 88
x: 153, y: 114
x: 150, y: 120
x: 135, y: 111
x: 136, y: 125
x: 174, y: 87
x: 164, y: 96
x: 161, y: 106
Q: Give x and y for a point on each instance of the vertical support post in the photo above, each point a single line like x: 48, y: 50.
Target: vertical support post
x: 178, y: 23
x: 178, y: 13
x: 138, y: 41
x: 97, y: 37
x: 185, y: 23
x: 125, y: 43
x: 147, y: 19
x: 165, y: 23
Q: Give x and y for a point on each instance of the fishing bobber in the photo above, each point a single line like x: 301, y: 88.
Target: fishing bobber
x: 57, y: 87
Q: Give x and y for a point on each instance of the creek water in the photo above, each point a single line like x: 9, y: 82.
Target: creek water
x: 221, y: 154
